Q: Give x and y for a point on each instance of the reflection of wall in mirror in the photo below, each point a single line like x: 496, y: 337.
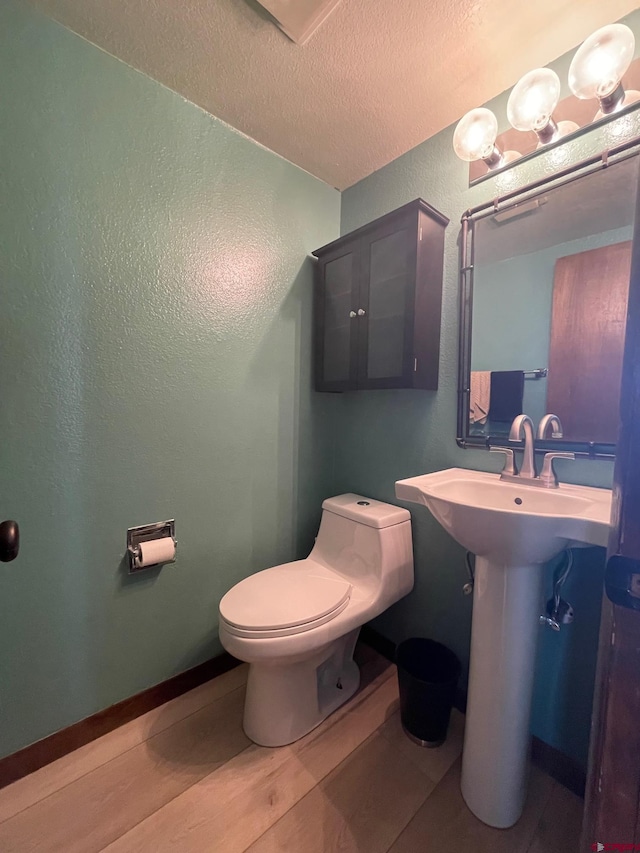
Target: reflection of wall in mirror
x: 512, y: 302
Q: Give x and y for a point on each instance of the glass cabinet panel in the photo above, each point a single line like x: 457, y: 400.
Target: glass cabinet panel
x: 390, y: 276
x: 339, y: 277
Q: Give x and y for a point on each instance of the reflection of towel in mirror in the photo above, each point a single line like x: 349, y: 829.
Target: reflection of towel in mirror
x: 507, y: 390
x: 480, y: 396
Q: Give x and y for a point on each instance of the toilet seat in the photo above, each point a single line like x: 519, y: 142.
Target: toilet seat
x: 286, y: 599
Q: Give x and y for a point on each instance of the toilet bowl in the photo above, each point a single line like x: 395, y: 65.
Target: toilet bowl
x: 297, y: 624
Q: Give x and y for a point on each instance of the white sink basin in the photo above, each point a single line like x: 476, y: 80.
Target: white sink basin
x: 510, y: 522
x: 513, y: 530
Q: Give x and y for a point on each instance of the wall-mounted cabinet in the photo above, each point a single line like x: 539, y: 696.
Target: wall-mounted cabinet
x: 378, y: 295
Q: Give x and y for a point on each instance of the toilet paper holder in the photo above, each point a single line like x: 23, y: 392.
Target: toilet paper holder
x: 146, y: 533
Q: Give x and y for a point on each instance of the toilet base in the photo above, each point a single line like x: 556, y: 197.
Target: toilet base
x: 287, y: 698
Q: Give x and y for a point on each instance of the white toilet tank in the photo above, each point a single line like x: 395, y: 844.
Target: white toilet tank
x: 369, y: 543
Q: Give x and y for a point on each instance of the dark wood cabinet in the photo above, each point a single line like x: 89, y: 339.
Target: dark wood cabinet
x: 378, y: 295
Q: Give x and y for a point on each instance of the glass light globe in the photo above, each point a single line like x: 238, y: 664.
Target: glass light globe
x: 533, y: 100
x: 475, y: 135
x: 601, y: 61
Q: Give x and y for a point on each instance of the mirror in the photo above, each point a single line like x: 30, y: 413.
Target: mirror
x: 545, y: 281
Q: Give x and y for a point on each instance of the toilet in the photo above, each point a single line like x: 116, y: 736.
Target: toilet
x: 297, y: 624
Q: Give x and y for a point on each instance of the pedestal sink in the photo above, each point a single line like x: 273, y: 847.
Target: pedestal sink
x: 513, y: 530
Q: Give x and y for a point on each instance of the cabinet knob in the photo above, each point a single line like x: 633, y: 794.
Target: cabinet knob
x: 361, y: 312
x: 352, y: 314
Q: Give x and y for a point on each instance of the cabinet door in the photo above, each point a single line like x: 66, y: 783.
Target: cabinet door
x: 387, y: 296
x: 336, y: 328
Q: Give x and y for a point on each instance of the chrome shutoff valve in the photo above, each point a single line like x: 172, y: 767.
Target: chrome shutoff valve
x: 558, y: 613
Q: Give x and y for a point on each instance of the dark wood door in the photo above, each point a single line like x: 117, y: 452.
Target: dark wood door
x: 590, y: 291
x: 612, y: 810
x: 337, y: 290
x: 387, y: 296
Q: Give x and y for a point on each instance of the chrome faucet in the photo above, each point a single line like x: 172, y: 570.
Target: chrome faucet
x: 524, y: 424
x: 552, y: 421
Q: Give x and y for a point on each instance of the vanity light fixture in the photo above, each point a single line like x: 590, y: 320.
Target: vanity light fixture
x: 475, y: 139
x: 532, y: 102
x: 597, y: 69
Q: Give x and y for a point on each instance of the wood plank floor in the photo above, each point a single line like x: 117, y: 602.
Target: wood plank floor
x: 185, y: 778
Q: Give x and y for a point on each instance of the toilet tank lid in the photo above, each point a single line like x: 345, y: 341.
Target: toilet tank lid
x: 366, y: 510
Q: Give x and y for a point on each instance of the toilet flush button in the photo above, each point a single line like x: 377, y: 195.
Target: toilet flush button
x: 364, y: 503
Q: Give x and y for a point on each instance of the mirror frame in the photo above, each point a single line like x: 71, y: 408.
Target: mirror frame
x: 584, y: 449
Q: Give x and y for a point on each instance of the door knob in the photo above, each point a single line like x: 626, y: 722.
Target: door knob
x: 352, y: 314
x: 361, y: 312
x: 9, y: 541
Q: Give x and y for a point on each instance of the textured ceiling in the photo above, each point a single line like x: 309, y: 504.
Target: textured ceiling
x: 379, y: 77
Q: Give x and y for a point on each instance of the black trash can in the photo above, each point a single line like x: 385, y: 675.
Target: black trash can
x: 428, y: 674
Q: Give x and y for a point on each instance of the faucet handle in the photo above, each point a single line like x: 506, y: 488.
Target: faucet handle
x: 510, y: 459
x: 548, y: 476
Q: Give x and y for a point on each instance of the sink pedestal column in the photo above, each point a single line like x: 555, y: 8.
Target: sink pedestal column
x: 504, y: 635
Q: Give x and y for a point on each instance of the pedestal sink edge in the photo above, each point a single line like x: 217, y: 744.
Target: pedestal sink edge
x: 513, y: 530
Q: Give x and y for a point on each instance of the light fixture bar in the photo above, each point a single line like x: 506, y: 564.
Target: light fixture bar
x: 596, y: 72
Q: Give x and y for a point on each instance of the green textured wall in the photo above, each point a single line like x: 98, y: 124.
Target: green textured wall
x: 155, y: 352
x: 155, y: 362
x: 386, y: 436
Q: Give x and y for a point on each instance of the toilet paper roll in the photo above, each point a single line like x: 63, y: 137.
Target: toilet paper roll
x: 156, y: 551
